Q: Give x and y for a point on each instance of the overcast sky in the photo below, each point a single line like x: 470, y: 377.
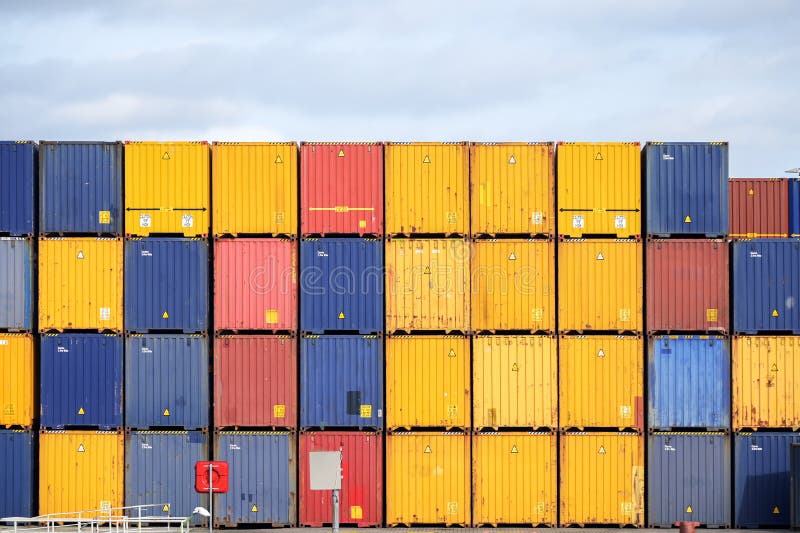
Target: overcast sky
x: 589, y: 70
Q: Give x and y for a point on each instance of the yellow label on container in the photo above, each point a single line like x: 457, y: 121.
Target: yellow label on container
x: 627, y: 507
x: 452, y: 217
x: 624, y: 315
x: 452, y: 508
x: 366, y: 411
x: 356, y: 513
x: 104, y: 217
x: 537, y: 313
x: 624, y: 411
x: 271, y: 316
x: 279, y: 410
x: 711, y: 314
x: 362, y: 224
x: 279, y: 217
x: 452, y: 411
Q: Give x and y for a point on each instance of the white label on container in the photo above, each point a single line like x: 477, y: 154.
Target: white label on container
x: 380, y: 413
x: 61, y: 349
x: 3, y: 342
x: 105, y: 313
x: 577, y: 221
x: 755, y: 255
x: 669, y: 448
x: 537, y: 219
x: 145, y: 349
x: 667, y: 157
x: 418, y: 251
x: 187, y: 221
x: 320, y: 253
x: 146, y: 446
x: 620, y: 221
x: 625, y: 411
x: 756, y: 448
x: 147, y: 253
x: 233, y: 447
x: 435, y: 251
x: 144, y: 221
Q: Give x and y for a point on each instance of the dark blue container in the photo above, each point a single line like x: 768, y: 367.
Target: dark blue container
x: 16, y: 283
x: 16, y: 473
x: 17, y: 187
x: 81, y: 187
x: 794, y: 207
x: 341, y: 285
x: 166, y: 285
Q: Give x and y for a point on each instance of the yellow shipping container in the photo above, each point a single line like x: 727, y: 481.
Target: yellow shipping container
x: 80, y: 283
x: 515, y: 381
x: 513, y: 188
x: 602, y: 479
x: 254, y: 188
x: 513, y: 285
x: 599, y: 189
x: 600, y: 285
x: 80, y: 471
x: 427, y: 188
x: 601, y: 382
x: 428, y: 284
x: 427, y: 382
x: 514, y: 479
x: 16, y: 379
x: 427, y: 479
x: 167, y: 188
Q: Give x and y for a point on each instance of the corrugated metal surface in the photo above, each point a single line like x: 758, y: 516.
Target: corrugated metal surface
x: 514, y: 478
x: 513, y: 188
x: 689, y: 381
x: 599, y: 189
x: 255, y: 284
x: 794, y: 207
x: 166, y: 284
x: 341, y: 381
x: 687, y: 188
x: 427, y: 479
x: 341, y: 188
x: 263, y: 478
x: 342, y: 285
x: 17, y: 449
x: 254, y: 188
x: 427, y: 188
x: 794, y: 481
x: 687, y: 285
x: 514, y: 381
x: 16, y: 380
x: 16, y: 289
x: 80, y: 187
x: 167, y: 188
x: 17, y: 186
x: 361, y: 497
x: 166, y: 381
x: 427, y: 382
x: 759, y: 207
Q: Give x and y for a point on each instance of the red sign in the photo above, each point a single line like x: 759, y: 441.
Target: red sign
x: 211, y: 475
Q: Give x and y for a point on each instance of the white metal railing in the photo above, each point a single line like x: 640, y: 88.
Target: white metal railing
x: 94, y: 521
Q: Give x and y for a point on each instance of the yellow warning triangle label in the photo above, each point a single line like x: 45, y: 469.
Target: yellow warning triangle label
x: 165, y: 315
x: 81, y: 411
x: 165, y: 157
x: 773, y: 368
x: 602, y: 450
x: 165, y: 508
x: 751, y: 192
x: 427, y: 270
x: 601, y: 353
x: 80, y: 254
x: 776, y: 510
x: 254, y: 508
x: 515, y: 367
x: 428, y: 449
x: 278, y: 159
x: 512, y: 161
x: 688, y: 219
x: 600, y: 256
x: 775, y: 312
x: 81, y: 449
x: 426, y: 159
x: 451, y: 353
x: 598, y: 157
x: 341, y: 153
x: 689, y: 509
x: 514, y: 449
x: 166, y: 412
x: 341, y: 315
x: 512, y: 257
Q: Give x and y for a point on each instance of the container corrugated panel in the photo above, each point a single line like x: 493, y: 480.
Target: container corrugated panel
x: 427, y: 188
x: 167, y: 188
x: 166, y: 285
x: 514, y: 479
x: 263, y: 478
x: 759, y: 207
x: 254, y: 188
x: 513, y: 188
x: 687, y: 188
x: 361, y: 496
x: 515, y: 381
x: 17, y: 449
x: 427, y: 284
x: 80, y: 187
x: 341, y: 381
x: 427, y: 479
x: 794, y: 481
x: 600, y: 285
x: 166, y: 381
x: 255, y: 381
x: 427, y: 382
x: 341, y: 188
x: 342, y: 285
x: 16, y: 289
x: 17, y: 186
x: 80, y: 471
x: 16, y: 380
x: 689, y: 381
x: 794, y: 208
x: 255, y: 284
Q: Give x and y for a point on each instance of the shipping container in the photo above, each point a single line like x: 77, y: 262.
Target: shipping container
x: 16, y: 289
x: 341, y: 188
x: 794, y: 481
x: 361, y: 496
x: 512, y: 186
x: 17, y: 448
x: 166, y: 381
x: 263, y: 478
x: 687, y: 285
x: 600, y: 285
x: 687, y: 188
x: 427, y: 479
x: 16, y: 380
x: 759, y: 207
x: 18, y: 176
x: 80, y: 187
x: 342, y: 285
x: 428, y: 285
x: 794, y: 211
x: 514, y: 381
x: 166, y: 285
x: 254, y: 188
x: 427, y: 382
x: 689, y: 379
x: 514, y: 479
x: 167, y: 188
x: 427, y: 188
x: 255, y: 284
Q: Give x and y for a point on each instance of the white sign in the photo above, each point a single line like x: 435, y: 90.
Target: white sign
x: 326, y: 470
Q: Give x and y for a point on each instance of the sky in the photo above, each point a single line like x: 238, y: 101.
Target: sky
x: 570, y: 70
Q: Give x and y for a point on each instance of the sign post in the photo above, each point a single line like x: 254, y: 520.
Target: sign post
x: 326, y: 474
x: 210, y: 477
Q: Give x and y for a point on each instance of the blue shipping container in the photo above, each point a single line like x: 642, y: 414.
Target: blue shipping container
x: 794, y: 207
x: 166, y: 381
x: 166, y: 285
x: 687, y: 188
x: 81, y: 187
x: 263, y: 478
x: 81, y: 380
x: 16, y: 473
x: 16, y: 283
x: 689, y: 382
x: 341, y: 283
x: 17, y: 186
x: 341, y: 381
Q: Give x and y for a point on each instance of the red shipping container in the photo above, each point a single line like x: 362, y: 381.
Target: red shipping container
x: 687, y: 285
x: 758, y: 207
x: 255, y: 285
x: 255, y: 381
x: 361, y: 497
x: 341, y: 188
